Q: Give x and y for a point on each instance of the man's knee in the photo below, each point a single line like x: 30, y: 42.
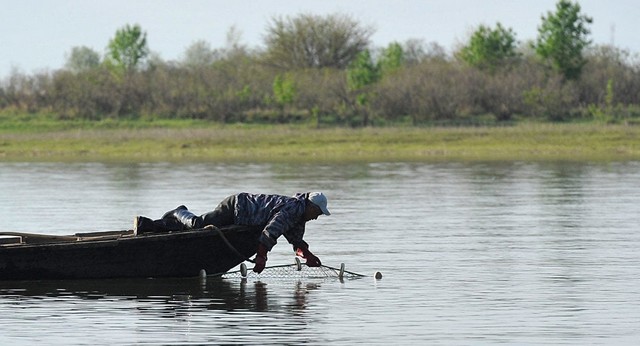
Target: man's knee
x: 223, y: 215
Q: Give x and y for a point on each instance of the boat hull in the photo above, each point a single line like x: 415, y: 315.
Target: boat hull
x: 179, y: 254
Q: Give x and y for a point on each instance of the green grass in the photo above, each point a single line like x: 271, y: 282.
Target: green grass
x: 44, y: 139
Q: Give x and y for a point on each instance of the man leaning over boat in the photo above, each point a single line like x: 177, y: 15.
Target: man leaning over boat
x: 276, y: 214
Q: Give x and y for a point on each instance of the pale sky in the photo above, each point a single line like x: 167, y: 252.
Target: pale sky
x: 36, y: 35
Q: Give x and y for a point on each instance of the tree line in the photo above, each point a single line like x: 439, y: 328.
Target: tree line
x: 323, y: 69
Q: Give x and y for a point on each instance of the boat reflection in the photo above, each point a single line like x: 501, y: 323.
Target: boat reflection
x: 210, y: 294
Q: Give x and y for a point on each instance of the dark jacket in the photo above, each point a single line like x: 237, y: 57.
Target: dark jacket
x: 279, y: 215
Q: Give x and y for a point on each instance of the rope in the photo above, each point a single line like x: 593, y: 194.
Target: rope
x: 231, y: 247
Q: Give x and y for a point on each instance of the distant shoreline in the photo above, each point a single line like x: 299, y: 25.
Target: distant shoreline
x: 283, y: 143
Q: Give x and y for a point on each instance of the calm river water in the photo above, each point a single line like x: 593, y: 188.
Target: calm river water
x: 515, y: 253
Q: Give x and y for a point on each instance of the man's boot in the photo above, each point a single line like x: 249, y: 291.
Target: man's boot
x: 142, y: 225
x: 170, y: 213
x: 188, y: 219
x: 184, y: 217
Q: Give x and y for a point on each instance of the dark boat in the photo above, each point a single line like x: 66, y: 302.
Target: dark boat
x: 123, y: 254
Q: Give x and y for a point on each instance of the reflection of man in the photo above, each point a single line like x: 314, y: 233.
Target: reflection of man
x: 300, y: 293
x: 276, y: 214
x: 261, y: 297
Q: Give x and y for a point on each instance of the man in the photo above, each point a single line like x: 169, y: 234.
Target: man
x: 276, y: 214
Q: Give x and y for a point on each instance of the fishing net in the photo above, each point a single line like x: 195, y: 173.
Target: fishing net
x: 293, y: 271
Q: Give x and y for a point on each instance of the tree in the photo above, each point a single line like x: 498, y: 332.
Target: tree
x: 125, y: 52
x: 416, y: 50
x: 284, y: 90
x: 128, y: 48
x: 311, y: 41
x: 391, y: 59
x: 562, y: 37
x: 199, y: 54
x: 362, y: 73
x: 489, y: 48
x: 82, y: 59
x: 233, y: 44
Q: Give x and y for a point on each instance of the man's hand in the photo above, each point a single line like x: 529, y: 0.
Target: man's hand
x: 260, y: 260
x: 312, y: 260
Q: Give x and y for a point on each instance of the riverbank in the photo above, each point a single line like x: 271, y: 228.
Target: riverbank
x: 282, y: 143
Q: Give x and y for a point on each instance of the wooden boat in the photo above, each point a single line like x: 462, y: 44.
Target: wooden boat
x: 123, y: 254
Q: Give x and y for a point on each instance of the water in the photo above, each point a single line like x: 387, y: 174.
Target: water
x: 515, y: 253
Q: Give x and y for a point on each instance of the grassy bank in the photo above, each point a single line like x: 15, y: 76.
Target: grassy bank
x: 182, y: 141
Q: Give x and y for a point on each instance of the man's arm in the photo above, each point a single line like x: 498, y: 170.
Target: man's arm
x: 277, y: 226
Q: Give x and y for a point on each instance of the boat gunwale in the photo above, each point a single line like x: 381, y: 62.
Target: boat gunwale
x: 109, y: 237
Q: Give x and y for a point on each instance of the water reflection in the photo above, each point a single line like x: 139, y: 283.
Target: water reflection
x: 158, y: 311
x: 208, y: 294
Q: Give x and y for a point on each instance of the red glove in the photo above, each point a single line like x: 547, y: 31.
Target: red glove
x: 312, y: 260
x: 261, y: 259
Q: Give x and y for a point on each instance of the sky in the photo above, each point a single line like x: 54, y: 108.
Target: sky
x: 37, y: 35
